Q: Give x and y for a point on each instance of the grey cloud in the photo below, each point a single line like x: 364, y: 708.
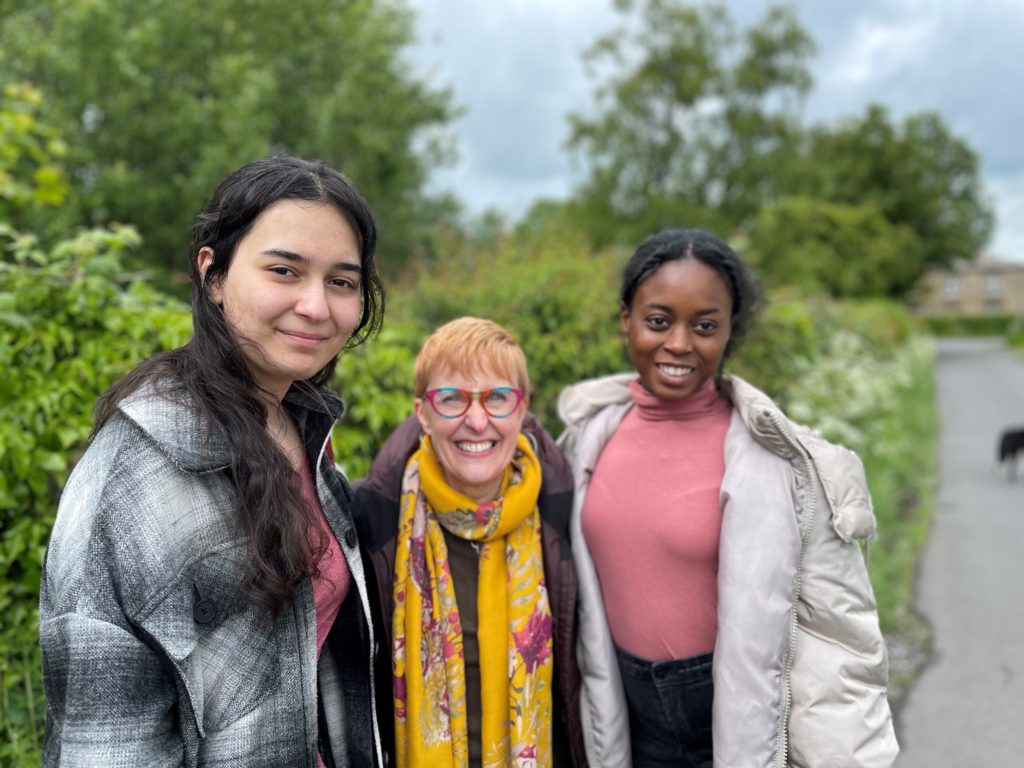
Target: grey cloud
x: 515, y: 65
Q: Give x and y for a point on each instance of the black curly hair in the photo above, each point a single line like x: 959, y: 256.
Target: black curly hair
x: 676, y: 244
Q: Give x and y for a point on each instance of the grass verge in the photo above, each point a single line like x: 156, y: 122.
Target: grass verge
x: 903, y: 489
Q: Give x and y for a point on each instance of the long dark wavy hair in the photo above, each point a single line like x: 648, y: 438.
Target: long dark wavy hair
x: 210, y: 374
x: 676, y: 244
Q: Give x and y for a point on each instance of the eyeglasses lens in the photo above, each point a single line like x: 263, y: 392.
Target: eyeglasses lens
x: 450, y: 402
x: 498, y: 402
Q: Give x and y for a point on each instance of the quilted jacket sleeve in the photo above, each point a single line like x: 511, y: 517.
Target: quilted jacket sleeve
x: 841, y: 715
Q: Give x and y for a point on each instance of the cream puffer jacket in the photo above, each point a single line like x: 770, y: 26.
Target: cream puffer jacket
x: 800, y: 667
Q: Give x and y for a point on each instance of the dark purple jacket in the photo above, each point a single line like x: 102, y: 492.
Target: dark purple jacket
x: 375, y: 510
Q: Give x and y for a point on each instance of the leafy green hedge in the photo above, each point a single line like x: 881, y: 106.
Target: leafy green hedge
x: 555, y: 295
x: 975, y: 325
x: 1015, y: 338
x: 375, y: 381
x: 70, y: 324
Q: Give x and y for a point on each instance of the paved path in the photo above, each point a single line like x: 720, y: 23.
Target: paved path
x: 967, y: 707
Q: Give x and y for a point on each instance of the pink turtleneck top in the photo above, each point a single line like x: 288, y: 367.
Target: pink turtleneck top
x: 652, y: 518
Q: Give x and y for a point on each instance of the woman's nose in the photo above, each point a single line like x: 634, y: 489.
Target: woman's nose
x: 476, y: 416
x: 312, y: 303
x: 678, y: 340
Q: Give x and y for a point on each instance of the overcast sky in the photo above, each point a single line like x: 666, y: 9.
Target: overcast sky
x: 516, y: 70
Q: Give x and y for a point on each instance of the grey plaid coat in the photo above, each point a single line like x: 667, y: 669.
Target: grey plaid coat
x: 152, y: 654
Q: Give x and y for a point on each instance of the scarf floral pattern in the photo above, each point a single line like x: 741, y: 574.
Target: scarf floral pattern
x: 515, y: 629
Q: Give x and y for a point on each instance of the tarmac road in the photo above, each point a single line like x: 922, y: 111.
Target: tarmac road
x: 967, y: 707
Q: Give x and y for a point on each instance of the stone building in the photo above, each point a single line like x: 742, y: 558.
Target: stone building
x: 985, y: 286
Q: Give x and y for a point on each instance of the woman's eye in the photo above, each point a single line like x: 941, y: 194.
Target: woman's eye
x: 282, y: 271
x: 707, y: 326
x: 343, y: 282
x: 657, y: 322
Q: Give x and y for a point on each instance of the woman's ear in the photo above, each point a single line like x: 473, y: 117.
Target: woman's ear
x: 417, y: 406
x: 624, y: 320
x: 205, y: 260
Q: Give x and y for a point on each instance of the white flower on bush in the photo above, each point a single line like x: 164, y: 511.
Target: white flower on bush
x: 852, y: 394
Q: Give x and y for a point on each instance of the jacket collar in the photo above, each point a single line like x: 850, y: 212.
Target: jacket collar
x: 765, y: 421
x: 853, y: 515
x: 172, y: 421
x: 580, y: 402
x: 839, y: 469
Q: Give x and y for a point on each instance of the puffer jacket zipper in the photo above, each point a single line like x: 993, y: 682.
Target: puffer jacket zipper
x: 782, y: 738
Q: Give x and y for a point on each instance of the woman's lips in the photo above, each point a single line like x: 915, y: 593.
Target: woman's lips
x: 304, y: 339
x: 476, y: 447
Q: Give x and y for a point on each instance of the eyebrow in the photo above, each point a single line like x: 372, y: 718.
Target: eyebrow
x: 298, y: 258
x: 668, y: 310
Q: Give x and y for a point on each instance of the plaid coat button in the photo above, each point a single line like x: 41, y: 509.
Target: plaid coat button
x: 204, y: 611
x: 350, y: 537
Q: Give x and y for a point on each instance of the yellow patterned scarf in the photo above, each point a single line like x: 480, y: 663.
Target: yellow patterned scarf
x: 514, y: 620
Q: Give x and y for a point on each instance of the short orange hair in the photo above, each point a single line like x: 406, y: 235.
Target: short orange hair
x: 469, y: 345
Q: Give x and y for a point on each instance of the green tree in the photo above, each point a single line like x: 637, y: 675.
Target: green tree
x: 160, y: 100
x: 693, y: 122
x: 918, y: 174
x: 844, y: 250
x: 32, y: 180
x: 697, y: 125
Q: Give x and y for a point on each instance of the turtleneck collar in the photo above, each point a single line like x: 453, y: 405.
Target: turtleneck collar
x: 700, y: 403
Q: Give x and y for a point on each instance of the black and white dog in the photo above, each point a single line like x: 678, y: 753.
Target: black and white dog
x: 1011, y: 443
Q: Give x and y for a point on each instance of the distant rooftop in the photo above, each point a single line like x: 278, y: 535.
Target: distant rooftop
x: 985, y: 262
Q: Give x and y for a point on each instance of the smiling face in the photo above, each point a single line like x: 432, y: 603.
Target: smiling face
x: 291, y: 294
x: 474, y: 448
x: 677, y: 327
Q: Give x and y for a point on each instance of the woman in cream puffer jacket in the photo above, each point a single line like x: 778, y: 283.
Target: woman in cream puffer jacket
x: 799, y: 664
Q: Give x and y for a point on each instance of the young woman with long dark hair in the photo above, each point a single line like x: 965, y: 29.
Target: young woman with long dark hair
x: 203, y: 600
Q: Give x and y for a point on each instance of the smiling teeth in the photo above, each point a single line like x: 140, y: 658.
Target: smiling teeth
x: 476, y: 447
x: 676, y: 370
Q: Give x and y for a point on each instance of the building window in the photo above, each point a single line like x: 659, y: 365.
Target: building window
x: 952, y: 288
x: 993, y: 286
